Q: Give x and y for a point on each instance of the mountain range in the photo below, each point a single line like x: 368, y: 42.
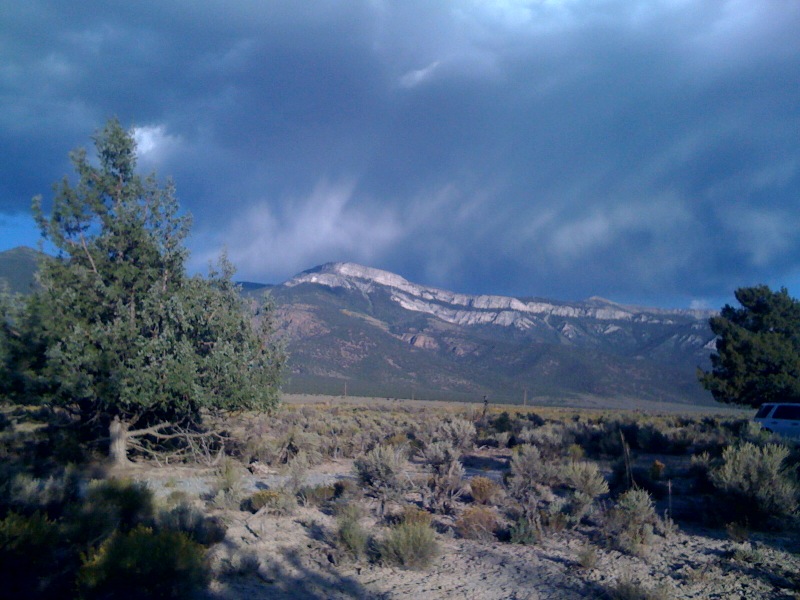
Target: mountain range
x: 356, y: 330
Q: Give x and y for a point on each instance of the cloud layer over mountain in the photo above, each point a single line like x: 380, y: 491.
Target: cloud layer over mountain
x: 645, y: 151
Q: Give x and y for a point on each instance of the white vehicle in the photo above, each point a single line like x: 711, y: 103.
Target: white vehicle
x: 780, y: 418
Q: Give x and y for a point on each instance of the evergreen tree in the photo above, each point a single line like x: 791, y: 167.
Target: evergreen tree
x: 758, y: 349
x: 125, y: 337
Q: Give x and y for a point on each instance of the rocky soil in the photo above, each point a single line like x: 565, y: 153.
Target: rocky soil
x: 294, y: 556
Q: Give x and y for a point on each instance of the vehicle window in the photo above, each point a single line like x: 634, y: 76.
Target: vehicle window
x: 788, y: 412
x: 764, y: 411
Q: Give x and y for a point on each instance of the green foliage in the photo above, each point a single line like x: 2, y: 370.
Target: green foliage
x: 410, y: 546
x: 587, y: 483
x: 143, y: 564
x: 27, y: 555
x: 190, y: 520
x: 109, y: 506
x: 118, y: 328
x: 758, y: 482
x: 525, y: 531
x: 758, y: 349
x: 631, y: 522
x: 351, y: 536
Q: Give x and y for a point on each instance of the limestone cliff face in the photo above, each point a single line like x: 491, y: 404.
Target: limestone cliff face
x: 465, y: 309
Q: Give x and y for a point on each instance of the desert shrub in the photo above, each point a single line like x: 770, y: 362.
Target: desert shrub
x: 631, y: 522
x: 535, y: 419
x: 109, y: 505
x: 409, y: 545
x: 239, y: 563
x: 587, y: 483
x: 316, y: 495
x: 276, y: 501
x: 553, y: 516
x: 575, y: 452
x: 438, y: 455
x: 382, y: 471
x: 587, y: 557
x: 483, y: 489
x: 143, y: 564
x: 227, y: 487
x: 446, y: 482
x: 525, y: 531
x: 657, y: 440
x: 528, y: 465
x: 28, y: 555
x: 477, y: 523
x: 552, y: 439
x: 191, y: 521
x: 657, y: 470
x: 416, y: 516
x: 26, y: 494
x: 345, y: 488
x: 502, y: 423
x: 700, y: 472
x: 459, y: 432
x: 627, y: 589
x: 758, y: 482
x: 351, y: 536
x: 396, y: 439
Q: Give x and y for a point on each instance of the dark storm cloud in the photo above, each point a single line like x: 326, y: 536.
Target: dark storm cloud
x: 642, y: 151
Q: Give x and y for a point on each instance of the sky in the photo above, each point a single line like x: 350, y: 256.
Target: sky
x: 645, y: 151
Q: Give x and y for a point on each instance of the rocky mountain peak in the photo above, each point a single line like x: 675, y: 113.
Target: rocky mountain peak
x: 467, y: 309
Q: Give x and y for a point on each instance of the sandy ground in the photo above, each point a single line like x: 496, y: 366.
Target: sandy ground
x: 293, y: 557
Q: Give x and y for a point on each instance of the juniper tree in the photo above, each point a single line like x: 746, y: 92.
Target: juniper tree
x: 757, y: 355
x: 130, y: 341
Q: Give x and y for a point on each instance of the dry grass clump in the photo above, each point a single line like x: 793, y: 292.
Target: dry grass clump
x: 587, y: 556
x: 275, y: 501
x: 628, y: 589
x: 483, y: 489
x: 351, y: 536
x: 477, y: 523
x: 410, y: 546
x: 412, y: 514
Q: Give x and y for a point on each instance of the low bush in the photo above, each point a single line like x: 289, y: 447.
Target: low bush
x: 110, y: 505
x: 143, y: 564
x: 383, y: 472
x: 351, y: 536
x: 190, y: 520
x: 410, y: 546
x: 28, y: 556
x: 525, y: 531
x: 758, y: 483
x: 477, y: 523
x: 483, y: 489
x: 587, y: 483
x: 587, y: 556
x: 415, y: 516
x: 317, y: 495
x: 627, y: 589
x: 631, y: 522
x: 278, y: 501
